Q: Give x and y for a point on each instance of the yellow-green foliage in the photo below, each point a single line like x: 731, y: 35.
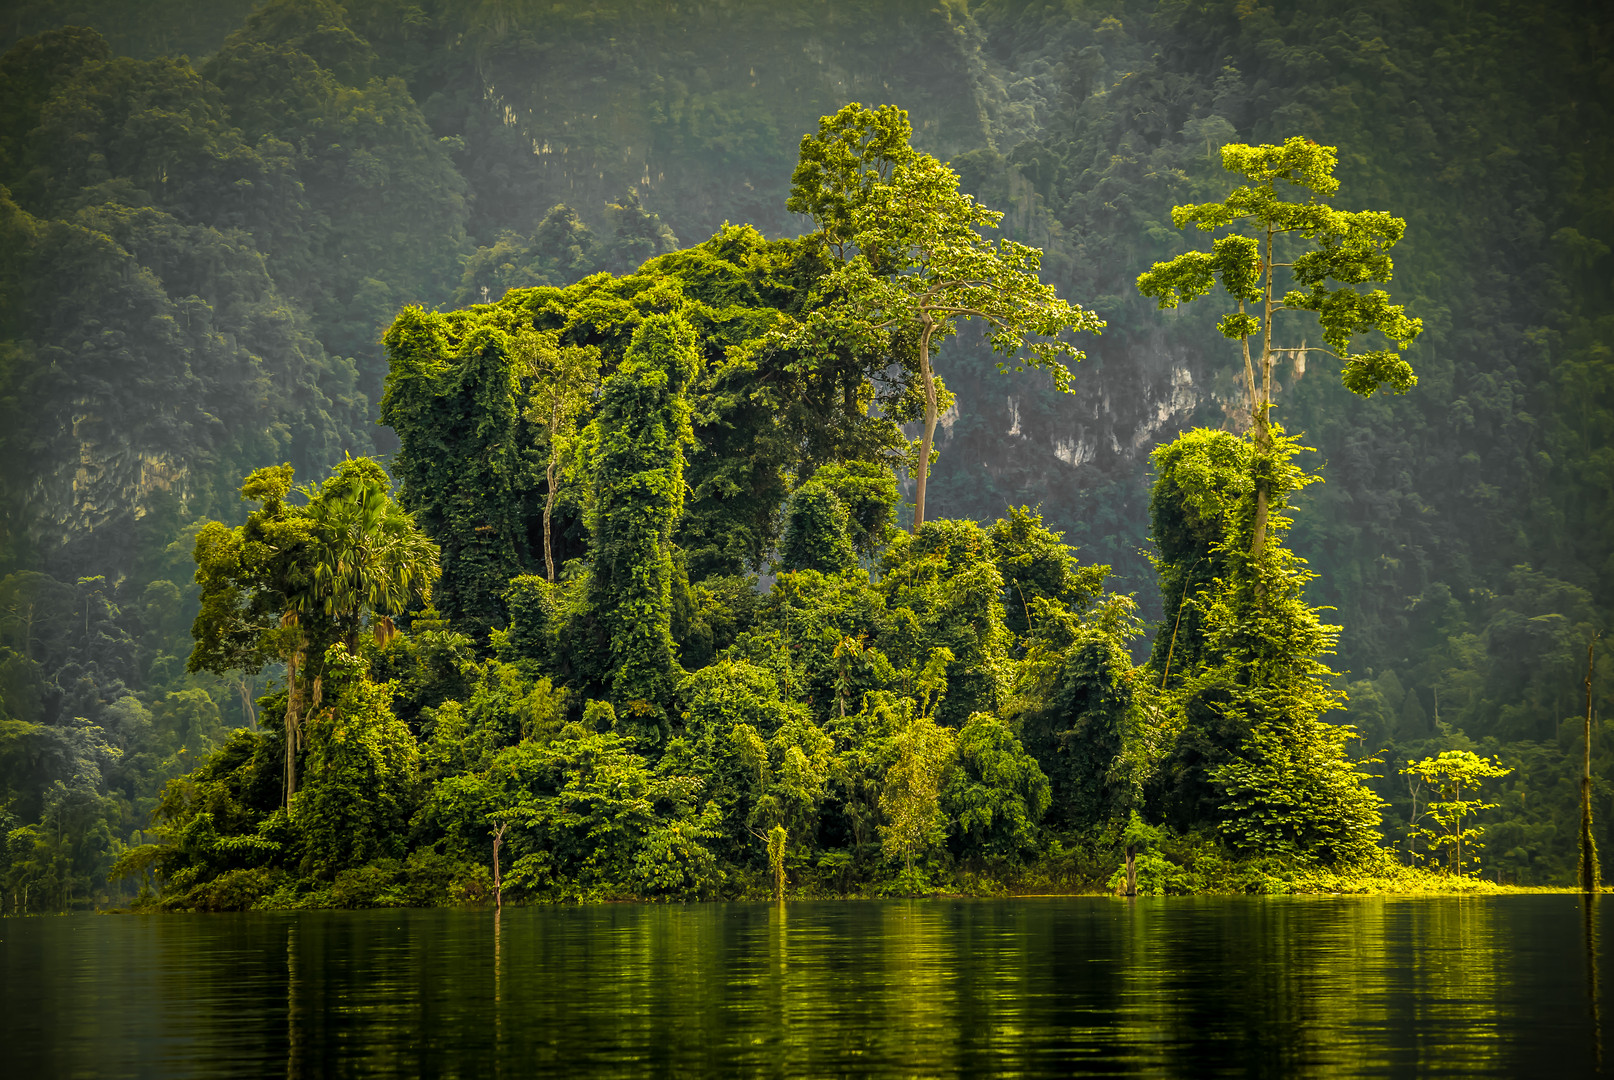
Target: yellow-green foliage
x: 1253, y: 754
x: 1451, y: 776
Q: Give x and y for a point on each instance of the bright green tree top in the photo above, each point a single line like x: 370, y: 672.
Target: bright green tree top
x: 1346, y: 249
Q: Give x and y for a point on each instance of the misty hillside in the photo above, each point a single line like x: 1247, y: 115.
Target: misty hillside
x: 211, y: 212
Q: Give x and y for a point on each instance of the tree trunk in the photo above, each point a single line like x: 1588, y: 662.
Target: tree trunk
x: 498, y: 881
x: 549, y: 506
x: 293, y: 726
x: 1263, y: 411
x: 929, y: 379
x: 1132, y: 870
x: 776, y: 859
x: 549, y: 499
x: 1263, y: 487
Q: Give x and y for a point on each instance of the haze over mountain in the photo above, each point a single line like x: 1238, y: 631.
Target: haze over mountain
x: 211, y: 212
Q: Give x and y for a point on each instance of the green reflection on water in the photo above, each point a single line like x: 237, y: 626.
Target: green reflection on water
x: 1319, y: 987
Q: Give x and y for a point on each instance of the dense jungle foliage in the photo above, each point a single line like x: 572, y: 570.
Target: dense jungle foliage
x: 679, y: 605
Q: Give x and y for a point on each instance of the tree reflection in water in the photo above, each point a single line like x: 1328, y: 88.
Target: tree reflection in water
x: 1037, y: 987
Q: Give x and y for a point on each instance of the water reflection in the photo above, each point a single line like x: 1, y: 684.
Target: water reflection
x: 1590, y: 927
x: 1318, y: 987
x: 294, y: 1042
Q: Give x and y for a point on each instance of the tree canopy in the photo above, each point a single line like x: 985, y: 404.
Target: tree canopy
x: 913, y: 262
x: 201, y: 257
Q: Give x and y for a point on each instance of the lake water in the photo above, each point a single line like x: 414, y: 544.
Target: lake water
x: 1028, y: 987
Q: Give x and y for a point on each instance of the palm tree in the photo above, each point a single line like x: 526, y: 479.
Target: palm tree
x: 369, y: 562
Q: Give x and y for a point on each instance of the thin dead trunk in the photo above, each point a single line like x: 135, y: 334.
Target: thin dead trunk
x: 1132, y: 870
x: 498, y: 881
x: 929, y: 380
x: 554, y: 466
x: 1172, y: 648
x: 1458, y: 788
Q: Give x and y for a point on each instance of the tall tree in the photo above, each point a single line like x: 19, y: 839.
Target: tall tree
x: 836, y: 170
x: 921, y: 264
x: 294, y: 580
x: 640, y: 438
x: 1347, y: 248
x: 361, y: 773
x: 468, y: 463
x: 565, y: 378
x: 911, y: 798
x: 1587, y: 872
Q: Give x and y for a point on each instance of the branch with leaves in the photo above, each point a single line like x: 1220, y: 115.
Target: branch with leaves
x: 566, y: 379
x: 1345, y: 249
x: 914, y: 261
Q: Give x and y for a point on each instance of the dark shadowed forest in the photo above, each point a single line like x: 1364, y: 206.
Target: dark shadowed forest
x: 458, y: 451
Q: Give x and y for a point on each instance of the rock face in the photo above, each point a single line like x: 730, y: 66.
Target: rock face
x: 112, y: 480
x: 1012, y: 440
x: 101, y: 491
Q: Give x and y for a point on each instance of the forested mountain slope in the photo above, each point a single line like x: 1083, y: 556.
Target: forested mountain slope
x: 212, y: 211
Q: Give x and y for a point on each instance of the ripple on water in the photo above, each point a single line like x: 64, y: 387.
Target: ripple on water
x: 1032, y: 987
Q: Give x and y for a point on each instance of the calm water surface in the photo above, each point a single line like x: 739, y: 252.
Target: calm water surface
x: 1031, y: 987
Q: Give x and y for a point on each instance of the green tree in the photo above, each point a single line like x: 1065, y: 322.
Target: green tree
x: 943, y: 592
x: 369, y: 559
x: 468, y: 463
x: 791, y: 768
x: 817, y: 534
x: 635, y: 234
x: 911, y: 796
x: 565, y: 378
x: 1252, y: 751
x: 868, y: 491
x: 1451, y: 774
x: 1075, y: 718
x: 360, y: 781
x: 588, y: 819
x: 561, y: 250
x: 837, y: 169
x: 1346, y: 247
x: 1199, y: 478
x: 293, y: 580
x: 921, y: 266
x: 731, y: 709
x: 255, y: 580
x: 1037, y: 564
x: 998, y: 794
x: 639, y: 440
